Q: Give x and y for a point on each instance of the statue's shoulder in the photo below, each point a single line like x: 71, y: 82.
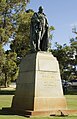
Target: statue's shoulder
x: 44, y: 14
x: 35, y: 18
x: 35, y: 14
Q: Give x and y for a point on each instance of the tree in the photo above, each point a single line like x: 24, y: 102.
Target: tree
x: 9, y: 14
x: 9, y: 10
x: 10, y: 68
x: 21, y: 43
x: 73, y: 43
x: 65, y: 56
x: 2, y: 58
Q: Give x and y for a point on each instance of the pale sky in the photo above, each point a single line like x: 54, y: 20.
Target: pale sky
x: 62, y: 14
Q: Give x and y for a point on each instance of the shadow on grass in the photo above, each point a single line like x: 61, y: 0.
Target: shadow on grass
x: 7, y: 92
x: 6, y: 112
x: 70, y: 93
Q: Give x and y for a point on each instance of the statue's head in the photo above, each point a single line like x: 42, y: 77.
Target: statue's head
x: 40, y: 9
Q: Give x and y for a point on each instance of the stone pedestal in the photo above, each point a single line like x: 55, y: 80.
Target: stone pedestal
x: 39, y: 89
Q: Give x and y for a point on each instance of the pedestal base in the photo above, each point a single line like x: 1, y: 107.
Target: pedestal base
x: 39, y: 89
x: 28, y: 113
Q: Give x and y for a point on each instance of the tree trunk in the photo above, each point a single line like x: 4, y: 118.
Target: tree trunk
x: 5, y: 83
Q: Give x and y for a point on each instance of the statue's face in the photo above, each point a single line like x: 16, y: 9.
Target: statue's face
x: 40, y: 9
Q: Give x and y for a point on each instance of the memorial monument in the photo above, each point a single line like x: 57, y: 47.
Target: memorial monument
x: 39, y: 89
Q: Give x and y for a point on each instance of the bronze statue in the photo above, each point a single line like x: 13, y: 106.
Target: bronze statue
x: 39, y: 31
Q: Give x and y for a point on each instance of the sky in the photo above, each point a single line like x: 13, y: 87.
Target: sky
x: 62, y: 14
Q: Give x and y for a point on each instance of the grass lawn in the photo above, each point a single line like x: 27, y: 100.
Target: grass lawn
x: 5, y: 101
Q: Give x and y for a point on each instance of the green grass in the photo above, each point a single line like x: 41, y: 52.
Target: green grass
x: 5, y: 101
x: 71, y: 101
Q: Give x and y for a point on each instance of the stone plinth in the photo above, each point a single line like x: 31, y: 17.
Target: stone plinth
x: 39, y: 87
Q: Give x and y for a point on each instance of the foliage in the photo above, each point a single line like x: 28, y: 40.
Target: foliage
x: 2, y: 58
x: 10, y: 69
x: 9, y: 10
x: 51, y: 28
x: 21, y: 43
x: 9, y: 14
x: 8, y: 66
x: 66, y: 56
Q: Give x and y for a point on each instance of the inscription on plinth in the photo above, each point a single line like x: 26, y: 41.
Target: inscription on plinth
x: 48, y: 84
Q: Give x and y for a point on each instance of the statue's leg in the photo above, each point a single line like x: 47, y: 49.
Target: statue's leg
x: 44, y: 43
x: 32, y: 40
x: 37, y: 43
x: 39, y: 38
x: 32, y: 46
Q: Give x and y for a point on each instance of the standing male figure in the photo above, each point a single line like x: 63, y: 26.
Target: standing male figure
x: 39, y: 31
